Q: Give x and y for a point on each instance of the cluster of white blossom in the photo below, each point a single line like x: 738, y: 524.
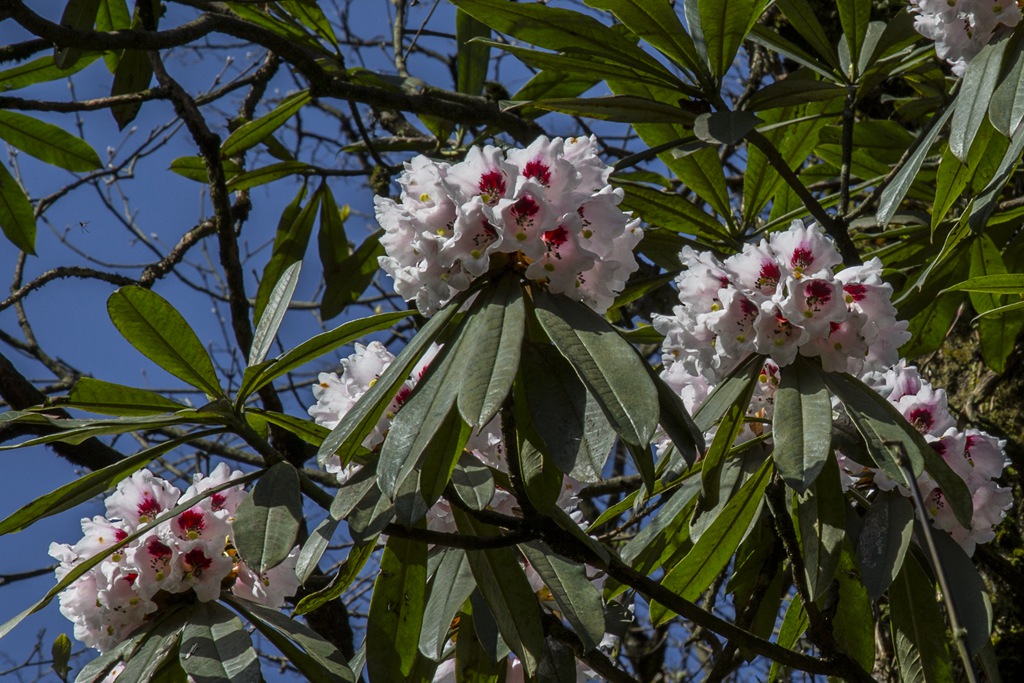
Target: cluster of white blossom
x: 960, y: 28
x: 781, y: 298
x: 549, y: 207
x: 192, y: 552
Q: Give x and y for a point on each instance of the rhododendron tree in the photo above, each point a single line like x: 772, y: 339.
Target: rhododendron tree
x: 642, y: 341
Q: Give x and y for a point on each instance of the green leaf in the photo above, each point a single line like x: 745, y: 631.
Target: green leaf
x: 267, y: 520
x: 79, y: 15
x: 998, y: 333
x: 254, y: 132
x: 90, y: 485
x: 801, y: 15
x: 48, y: 142
x: 801, y: 425
x: 854, y: 622
x: 473, y: 663
x: 676, y: 421
x: 347, y: 438
x: 259, y: 376
x: 346, y: 280
x: 60, y: 652
x: 161, y: 334
x: 473, y: 58
x: 551, y: 85
x: 671, y: 211
x: 606, y: 363
x: 290, y: 242
x: 796, y: 89
x: 41, y: 70
x: 578, y: 600
x: 194, y: 168
x: 449, y: 589
x: 440, y: 456
x: 918, y: 627
x: 715, y: 547
x: 657, y: 24
x: 216, y: 647
x: 1006, y: 110
x: 75, y: 431
x: 967, y: 589
x: 729, y: 391
x: 1002, y: 283
x: 259, y: 176
x: 310, y: 14
x: 725, y: 127
x: 134, y: 73
x: 884, y: 539
x: 624, y: 108
x: 821, y: 523
x: 273, y: 313
x: 561, y: 30
x: 158, y: 649
x: 473, y: 482
x: 491, y: 352
x: 17, y: 217
x: 112, y: 16
x: 396, y: 610
x: 314, y: 547
x: 107, y: 398
x: 794, y: 623
x: 507, y: 592
x: 854, y: 17
x: 762, y: 35
x: 347, y: 573
x: 985, y: 202
x: 729, y: 428
x: 316, y: 659
x: 953, y: 175
x: 892, y: 195
x: 725, y: 24
x: 972, y: 103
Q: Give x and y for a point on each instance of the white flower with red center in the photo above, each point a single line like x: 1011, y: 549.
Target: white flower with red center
x: 141, y: 498
x: 222, y: 503
x: 155, y: 562
x: 814, y: 303
x: 549, y: 206
x: 272, y: 587
x: 804, y: 250
x: 202, y: 568
x: 927, y: 410
x: 755, y: 270
x: 776, y: 336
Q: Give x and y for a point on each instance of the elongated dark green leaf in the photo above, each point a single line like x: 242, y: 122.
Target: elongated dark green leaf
x: 794, y: 90
x: 953, y: 175
x: 254, y: 132
x: 215, y: 647
x: 40, y: 70
x: 107, y: 398
x: 194, y: 168
x: 728, y: 392
x: 1006, y: 109
x: 347, y: 438
x: 79, y: 15
x: 729, y: 428
x: 158, y: 649
x: 48, y: 142
x: 794, y: 623
x: 347, y: 573
x: 967, y: 589
x: 267, y: 520
x: 854, y: 17
x: 473, y: 663
x: 657, y: 24
x: 332, y: 242
x: 918, y: 629
x: 303, y: 428
x: 316, y: 659
x: 985, y: 203
x: 802, y: 425
x: 259, y: 376
x: 560, y: 30
x: 76, y: 431
x: 725, y: 127
x: 396, y: 610
x: 821, y: 523
x: 273, y: 313
x: 666, y: 534
x: 112, y: 15
x: 671, y: 211
x: 971, y: 109
x: 713, y: 550
x: 610, y: 368
x: 725, y: 24
x: 473, y: 482
x: 854, y: 622
x: 264, y: 175
x: 624, y: 108
x: 310, y: 14
x: 473, y: 58
x: 423, y: 422
x: 290, y: 244
x: 17, y: 218
x: 765, y: 36
x: 134, y: 73
x: 491, y: 353
x: 801, y: 15
x: 577, y: 598
x: 314, y: 547
x: 892, y: 195
x: 449, y: 589
x: 440, y: 456
x: 884, y: 540
x: 161, y: 334
x: 346, y: 280
x: 507, y: 592
x: 1003, y: 283
x: 551, y: 84
x: 90, y: 485
x: 998, y: 333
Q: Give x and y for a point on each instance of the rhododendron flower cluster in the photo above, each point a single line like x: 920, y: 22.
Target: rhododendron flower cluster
x: 190, y: 553
x: 781, y: 298
x: 549, y: 207
x: 960, y: 28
